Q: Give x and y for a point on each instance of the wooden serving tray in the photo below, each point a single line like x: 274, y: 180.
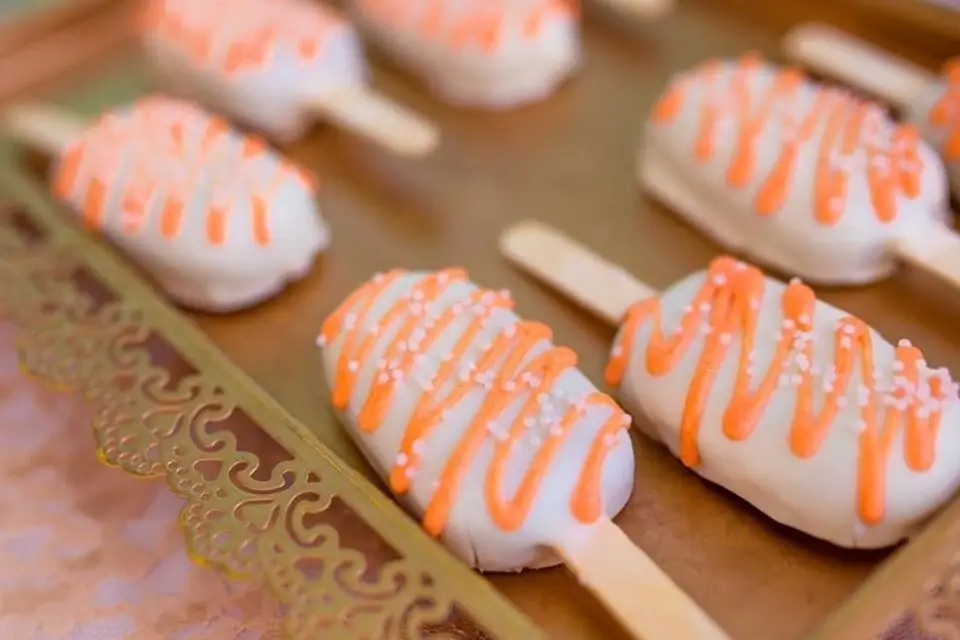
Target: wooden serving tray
x: 234, y: 392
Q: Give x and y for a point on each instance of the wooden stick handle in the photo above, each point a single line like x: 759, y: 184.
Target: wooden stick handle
x: 45, y: 128
x: 601, y: 287
x: 364, y: 112
x: 642, y: 9
x: 635, y: 590
x: 842, y: 56
x: 933, y: 248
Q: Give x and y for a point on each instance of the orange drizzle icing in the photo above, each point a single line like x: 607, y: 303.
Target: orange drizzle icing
x: 506, y: 369
x: 725, y: 310
x: 474, y: 24
x: 946, y: 111
x: 237, y: 36
x: 850, y: 136
x: 154, y: 156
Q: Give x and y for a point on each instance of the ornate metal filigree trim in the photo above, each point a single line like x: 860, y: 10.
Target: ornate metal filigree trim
x: 343, y: 562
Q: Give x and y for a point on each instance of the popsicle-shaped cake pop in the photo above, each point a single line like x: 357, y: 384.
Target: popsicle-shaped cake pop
x: 275, y: 64
x: 928, y: 100
x: 794, y: 405
x: 491, y: 54
x: 799, y: 176
x: 490, y: 434
x: 220, y: 220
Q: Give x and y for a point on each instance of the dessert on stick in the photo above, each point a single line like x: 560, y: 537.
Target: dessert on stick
x: 275, y: 64
x: 491, y: 54
x: 220, y: 220
x: 928, y: 100
x: 799, y: 408
x: 490, y: 434
x: 801, y: 177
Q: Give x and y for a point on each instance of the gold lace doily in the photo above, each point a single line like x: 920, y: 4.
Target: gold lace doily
x: 343, y: 560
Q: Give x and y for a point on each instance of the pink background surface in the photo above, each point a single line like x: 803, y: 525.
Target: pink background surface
x: 88, y: 553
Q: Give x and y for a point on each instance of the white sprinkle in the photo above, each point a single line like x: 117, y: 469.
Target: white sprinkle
x: 904, y: 343
x: 410, y: 472
x: 321, y: 340
x: 509, y: 386
x: 353, y: 366
x: 726, y: 338
x: 845, y: 342
x: 402, y: 459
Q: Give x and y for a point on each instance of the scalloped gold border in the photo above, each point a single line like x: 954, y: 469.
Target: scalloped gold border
x: 284, y: 525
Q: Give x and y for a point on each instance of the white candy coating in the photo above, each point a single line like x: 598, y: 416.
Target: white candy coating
x: 817, y: 494
x: 261, y: 62
x: 853, y: 247
x: 221, y: 221
x: 471, y: 531
x: 491, y: 54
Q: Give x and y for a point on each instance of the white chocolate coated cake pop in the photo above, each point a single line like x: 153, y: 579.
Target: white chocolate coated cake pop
x: 801, y: 177
x: 478, y: 423
x: 491, y: 54
x: 796, y: 406
x: 274, y: 65
x: 216, y: 217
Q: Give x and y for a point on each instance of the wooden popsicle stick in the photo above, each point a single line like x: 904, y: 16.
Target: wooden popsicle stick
x: 636, y: 591
x: 648, y: 604
x: 601, y: 287
x: 846, y: 58
x: 933, y: 248
x: 645, y: 9
x: 379, y: 119
x: 42, y: 127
